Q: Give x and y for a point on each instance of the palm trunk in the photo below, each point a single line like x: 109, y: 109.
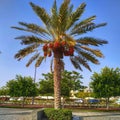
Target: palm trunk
x: 57, y: 79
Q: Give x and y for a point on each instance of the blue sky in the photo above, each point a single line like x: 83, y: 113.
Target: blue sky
x: 13, y: 11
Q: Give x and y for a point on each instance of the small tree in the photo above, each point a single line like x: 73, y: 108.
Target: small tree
x: 82, y: 94
x: 46, y: 84
x: 70, y: 81
x: 106, y: 83
x: 22, y: 86
x: 4, y: 91
x: 4, y: 94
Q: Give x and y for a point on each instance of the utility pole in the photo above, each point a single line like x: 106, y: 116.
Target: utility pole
x: 34, y: 80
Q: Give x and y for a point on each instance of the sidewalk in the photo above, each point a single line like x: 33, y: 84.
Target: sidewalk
x: 27, y: 114
x: 15, y: 114
x: 96, y: 115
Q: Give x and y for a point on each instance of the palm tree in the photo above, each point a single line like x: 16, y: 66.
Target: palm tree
x: 61, y: 36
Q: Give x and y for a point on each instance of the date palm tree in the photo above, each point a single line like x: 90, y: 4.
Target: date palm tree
x: 60, y: 37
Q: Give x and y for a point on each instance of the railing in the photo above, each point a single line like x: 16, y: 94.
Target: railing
x: 68, y: 103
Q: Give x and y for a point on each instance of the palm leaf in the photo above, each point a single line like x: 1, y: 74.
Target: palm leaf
x: 34, y: 27
x: 63, y: 15
x: 19, y: 28
x: 51, y: 66
x: 81, y: 61
x: 86, y: 28
x: 25, y: 51
x: 54, y: 9
x: 63, y: 23
x: 33, y: 58
x: 54, y: 15
x: 86, y: 55
x: 54, y: 20
x: 84, y: 22
x: 82, y: 29
x: 89, y: 57
x: 98, y: 53
x: 75, y: 15
x: 41, y: 12
x: 70, y: 9
x: 75, y: 63
x: 39, y: 61
x: 38, y: 32
x: 69, y: 40
x: 26, y: 40
x: 91, y: 41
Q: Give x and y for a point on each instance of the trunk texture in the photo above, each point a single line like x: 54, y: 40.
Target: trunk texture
x: 57, y: 80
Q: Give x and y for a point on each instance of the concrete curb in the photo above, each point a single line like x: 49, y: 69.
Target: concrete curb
x: 38, y: 114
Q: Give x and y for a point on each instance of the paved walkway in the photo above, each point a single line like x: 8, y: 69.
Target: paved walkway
x: 96, y: 115
x: 25, y: 114
x: 15, y: 114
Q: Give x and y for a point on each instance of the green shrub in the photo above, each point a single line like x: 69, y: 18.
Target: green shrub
x: 60, y: 114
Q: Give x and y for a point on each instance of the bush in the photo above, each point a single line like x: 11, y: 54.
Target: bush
x: 60, y: 114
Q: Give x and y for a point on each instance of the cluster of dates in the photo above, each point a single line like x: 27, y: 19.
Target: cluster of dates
x: 58, y: 47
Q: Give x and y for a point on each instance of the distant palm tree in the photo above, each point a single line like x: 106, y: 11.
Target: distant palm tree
x: 61, y: 36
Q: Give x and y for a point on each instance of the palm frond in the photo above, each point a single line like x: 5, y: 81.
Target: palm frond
x: 86, y: 28
x: 19, y: 28
x: 75, y: 63
x: 34, y: 27
x: 39, y: 61
x: 38, y: 30
x: 33, y: 58
x: 100, y: 25
x: 62, y: 24
x: 82, y: 29
x: 97, y: 53
x: 27, y: 40
x: 91, y: 41
x: 86, y: 55
x: 63, y: 14
x: 54, y: 15
x: 41, y: 12
x: 54, y: 20
x: 70, y: 9
x: 81, y: 61
x: 84, y: 22
x: 75, y: 15
x: 51, y: 66
x: 69, y: 40
x: 54, y: 9
x: 25, y: 51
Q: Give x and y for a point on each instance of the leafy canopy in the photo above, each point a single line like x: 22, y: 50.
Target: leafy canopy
x: 61, y: 36
x: 69, y: 81
x: 106, y: 83
x: 22, y: 86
